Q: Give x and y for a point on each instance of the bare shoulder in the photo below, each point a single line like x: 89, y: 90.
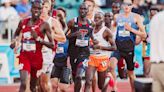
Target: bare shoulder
x: 70, y: 23
x: 108, y: 31
x: 116, y: 15
x: 137, y: 16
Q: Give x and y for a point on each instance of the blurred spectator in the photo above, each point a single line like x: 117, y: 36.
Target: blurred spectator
x: 136, y: 7
x: 7, y: 13
x: 146, y: 43
x: 23, y: 8
x: 157, y: 51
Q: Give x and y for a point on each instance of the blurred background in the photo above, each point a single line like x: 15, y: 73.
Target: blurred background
x: 12, y: 11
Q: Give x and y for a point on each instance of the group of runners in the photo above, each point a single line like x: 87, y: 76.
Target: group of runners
x: 93, y: 42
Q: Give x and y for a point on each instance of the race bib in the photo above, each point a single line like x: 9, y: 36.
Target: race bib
x: 82, y: 40
x: 82, y: 43
x: 124, y: 33
x: 29, y: 46
x: 60, y: 50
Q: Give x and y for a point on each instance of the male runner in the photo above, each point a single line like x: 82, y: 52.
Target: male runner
x: 78, y: 49
x: 128, y: 26
x: 48, y: 54
x: 33, y: 30
x: 60, y: 74
x: 101, y: 53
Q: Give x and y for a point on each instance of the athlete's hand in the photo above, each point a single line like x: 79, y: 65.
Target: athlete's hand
x: 34, y: 34
x: 127, y: 27
x: 13, y: 43
x: 95, y: 42
x: 96, y: 46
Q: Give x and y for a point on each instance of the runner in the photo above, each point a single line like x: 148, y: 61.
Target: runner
x: 61, y: 73
x: 128, y: 26
x: 101, y: 53
x: 80, y: 31
x: 33, y: 30
x: 48, y: 54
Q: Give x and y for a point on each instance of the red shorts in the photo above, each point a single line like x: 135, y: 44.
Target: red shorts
x: 32, y: 62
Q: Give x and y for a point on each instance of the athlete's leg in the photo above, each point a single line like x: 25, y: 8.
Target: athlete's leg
x: 94, y: 83
x: 90, y: 73
x: 78, y: 79
x: 113, y: 65
x: 24, y: 78
x: 44, y: 82
x: 33, y: 80
x: 101, y: 81
x: 55, y: 75
x: 130, y: 66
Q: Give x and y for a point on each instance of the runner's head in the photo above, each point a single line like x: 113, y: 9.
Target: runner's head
x: 61, y: 12
x: 46, y: 7
x: 91, y: 4
x: 83, y: 10
x: 116, y: 8
x: 99, y: 18
x: 108, y: 17
x: 153, y: 10
x: 127, y: 7
x: 36, y: 8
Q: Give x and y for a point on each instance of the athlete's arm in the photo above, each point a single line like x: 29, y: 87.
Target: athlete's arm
x: 16, y: 35
x: 109, y: 37
x: 47, y: 31
x: 58, y: 33
x: 114, y: 20
x: 141, y: 31
x: 70, y: 27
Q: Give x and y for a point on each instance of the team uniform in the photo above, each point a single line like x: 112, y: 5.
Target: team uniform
x: 125, y: 40
x: 78, y: 49
x: 30, y: 57
x: 48, y: 54
x: 60, y: 69
x: 100, y: 58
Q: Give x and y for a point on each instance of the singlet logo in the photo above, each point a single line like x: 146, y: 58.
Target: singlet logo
x: 83, y: 33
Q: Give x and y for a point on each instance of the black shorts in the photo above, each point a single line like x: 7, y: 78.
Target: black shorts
x: 59, y: 64
x: 128, y: 56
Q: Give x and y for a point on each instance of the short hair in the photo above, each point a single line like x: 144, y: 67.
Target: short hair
x: 63, y: 10
x: 93, y: 1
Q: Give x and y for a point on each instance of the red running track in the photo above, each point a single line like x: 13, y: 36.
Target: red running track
x: 123, y: 86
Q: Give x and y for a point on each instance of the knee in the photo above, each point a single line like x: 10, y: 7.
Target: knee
x: 78, y: 79
x: 88, y: 82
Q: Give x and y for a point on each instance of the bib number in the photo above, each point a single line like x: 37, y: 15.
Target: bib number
x: 60, y: 50
x: 29, y: 46
x: 81, y: 43
x: 124, y: 33
x: 104, y: 63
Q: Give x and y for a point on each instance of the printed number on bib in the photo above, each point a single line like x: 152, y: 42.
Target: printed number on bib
x: 29, y: 46
x: 104, y: 63
x: 60, y: 50
x: 124, y: 33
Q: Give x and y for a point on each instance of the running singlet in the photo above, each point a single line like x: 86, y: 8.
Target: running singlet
x: 61, y: 50
x: 102, y: 42
x: 29, y: 44
x: 80, y: 44
x: 123, y: 34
